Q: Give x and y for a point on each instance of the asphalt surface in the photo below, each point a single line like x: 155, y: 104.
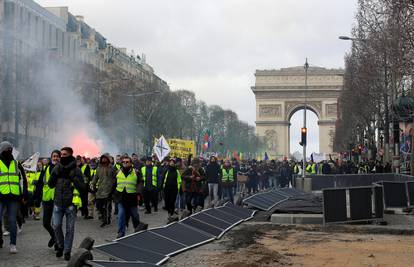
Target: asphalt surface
x: 32, y: 241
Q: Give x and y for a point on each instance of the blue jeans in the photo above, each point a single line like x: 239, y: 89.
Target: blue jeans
x: 70, y: 213
x: 228, y: 193
x: 180, y: 201
x: 133, y: 212
x: 12, y: 206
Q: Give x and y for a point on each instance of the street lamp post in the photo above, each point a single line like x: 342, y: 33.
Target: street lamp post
x: 304, y: 118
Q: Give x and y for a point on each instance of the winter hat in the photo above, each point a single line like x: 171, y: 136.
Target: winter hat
x: 5, y: 145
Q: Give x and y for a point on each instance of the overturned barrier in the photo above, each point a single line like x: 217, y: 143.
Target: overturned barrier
x: 267, y: 200
x: 156, y: 245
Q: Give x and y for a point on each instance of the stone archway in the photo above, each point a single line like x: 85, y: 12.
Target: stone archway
x: 280, y: 93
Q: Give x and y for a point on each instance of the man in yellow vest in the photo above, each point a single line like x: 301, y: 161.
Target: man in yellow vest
x: 32, y: 180
x: 12, y: 177
x: 86, y: 172
x: 45, y: 194
x: 228, y: 177
x: 149, y: 175
x: 67, y: 180
x: 126, y: 197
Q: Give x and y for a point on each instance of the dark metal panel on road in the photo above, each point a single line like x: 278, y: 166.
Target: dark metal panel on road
x: 334, y: 205
x: 291, y: 192
x: 153, y: 242
x: 247, y: 212
x: 129, y: 253
x: 202, y: 216
x: 207, y: 228
x: 183, y: 234
x: 269, y: 200
x: 257, y: 203
x: 235, y: 212
x: 223, y: 216
x: 99, y: 263
x: 360, y: 202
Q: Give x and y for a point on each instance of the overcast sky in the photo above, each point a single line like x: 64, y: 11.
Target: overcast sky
x: 214, y: 47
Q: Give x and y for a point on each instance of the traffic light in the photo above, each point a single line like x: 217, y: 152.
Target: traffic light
x: 303, y: 132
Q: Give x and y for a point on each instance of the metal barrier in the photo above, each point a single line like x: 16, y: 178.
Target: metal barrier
x: 410, y: 193
x: 352, y: 204
x: 320, y: 182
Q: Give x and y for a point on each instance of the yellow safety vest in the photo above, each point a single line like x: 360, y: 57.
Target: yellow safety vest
x: 83, y: 168
x: 76, y: 199
x: 227, y: 176
x: 296, y: 169
x: 32, y: 177
x: 118, y: 166
x: 154, y: 175
x: 48, y: 193
x: 129, y: 182
x: 178, y: 179
x: 313, y: 169
x: 9, y: 179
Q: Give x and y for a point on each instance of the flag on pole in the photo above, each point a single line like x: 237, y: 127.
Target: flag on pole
x: 206, y: 139
x: 161, y: 148
x: 31, y: 163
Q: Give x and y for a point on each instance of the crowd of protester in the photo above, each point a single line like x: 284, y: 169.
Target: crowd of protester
x: 120, y: 186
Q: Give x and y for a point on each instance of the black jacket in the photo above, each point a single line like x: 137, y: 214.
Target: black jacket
x: 171, y: 179
x: 64, y: 178
x: 213, y: 172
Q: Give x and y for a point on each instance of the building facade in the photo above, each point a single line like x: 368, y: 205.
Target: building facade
x: 31, y: 35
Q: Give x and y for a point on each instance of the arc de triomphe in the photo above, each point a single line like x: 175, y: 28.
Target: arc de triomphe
x: 280, y: 93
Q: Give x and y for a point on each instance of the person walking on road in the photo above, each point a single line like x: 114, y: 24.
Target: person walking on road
x: 126, y: 197
x: 13, y: 190
x: 45, y: 194
x: 228, y: 177
x: 194, y: 178
x: 149, y: 174
x: 171, y: 185
x: 213, y: 177
x: 66, y: 178
x: 103, y: 184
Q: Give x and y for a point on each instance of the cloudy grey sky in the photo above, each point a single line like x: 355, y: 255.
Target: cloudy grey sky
x: 214, y: 47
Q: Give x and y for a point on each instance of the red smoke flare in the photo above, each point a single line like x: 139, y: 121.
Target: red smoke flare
x: 83, y: 145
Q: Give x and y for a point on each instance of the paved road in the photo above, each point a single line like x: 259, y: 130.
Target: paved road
x: 32, y: 241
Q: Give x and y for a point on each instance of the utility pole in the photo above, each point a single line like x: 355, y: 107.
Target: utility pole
x: 304, y: 118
